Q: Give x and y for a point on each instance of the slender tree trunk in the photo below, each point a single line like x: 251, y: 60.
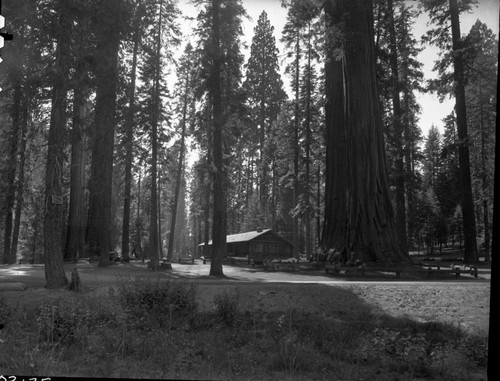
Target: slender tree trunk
x: 239, y: 191
x: 200, y: 230
x: 129, y: 144
x: 153, y: 237
x: 295, y: 195
x: 219, y: 226
x: 99, y: 221
x: 179, y: 241
x: 180, y: 167
x: 206, y: 214
x: 138, y: 249
x: 20, y: 103
x: 358, y: 212
x: 274, y: 221
x: 248, y: 192
x: 160, y: 243
x: 11, y: 171
x: 53, y: 217
x: 263, y: 159
x: 75, y: 238
x: 36, y: 229
x: 196, y: 236
x: 410, y: 187
x: 307, y: 185
x: 469, y: 220
x: 318, y: 207
x: 484, y: 179
x: 20, y: 180
x: 398, y: 133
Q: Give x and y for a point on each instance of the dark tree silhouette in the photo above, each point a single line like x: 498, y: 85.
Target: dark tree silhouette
x: 359, y: 219
x: 53, y: 219
x: 219, y: 226
x: 108, y: 41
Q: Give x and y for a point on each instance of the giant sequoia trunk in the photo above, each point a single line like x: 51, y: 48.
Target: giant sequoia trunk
x: 469, y: 219
x: 53, y: 218
x: 359, y: 219
x: 99, y: 221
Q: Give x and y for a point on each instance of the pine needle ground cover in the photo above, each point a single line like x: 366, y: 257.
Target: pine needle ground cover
x: 154, y: 328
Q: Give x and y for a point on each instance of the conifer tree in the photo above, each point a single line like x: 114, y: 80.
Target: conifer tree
x: 53, y: 248
x: 399, y: 76
x: 83, y: 41
x: 98, y: 237
x: 297, y: 36
x: 446, y: 15
x: 21, y: 70
x: 481, y: 65
x: 137, y: 14
x: 264, y: 94
x: 219, y: 30
x: 186, y: 79
x: 159, y: 39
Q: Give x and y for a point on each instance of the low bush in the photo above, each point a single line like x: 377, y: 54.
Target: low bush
x: 66, y: 322
x: 5, y: 312
x: 156, y: 303
x: 226, y: 306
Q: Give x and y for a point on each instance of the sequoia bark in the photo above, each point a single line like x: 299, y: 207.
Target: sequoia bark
x: 359, y: 221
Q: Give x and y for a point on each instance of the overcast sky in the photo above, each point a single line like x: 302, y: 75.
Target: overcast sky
x: 432, y: 110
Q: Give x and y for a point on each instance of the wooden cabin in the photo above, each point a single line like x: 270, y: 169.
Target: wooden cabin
x: 256, y: 246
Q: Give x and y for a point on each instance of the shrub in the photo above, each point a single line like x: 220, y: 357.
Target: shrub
x: 65, y: 322
x: 226, y: 306
x: 475, y: 348
x: 5, y: 312
x: 154, y: 303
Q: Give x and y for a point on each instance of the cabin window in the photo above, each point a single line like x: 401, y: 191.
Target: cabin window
x: 257, y: 247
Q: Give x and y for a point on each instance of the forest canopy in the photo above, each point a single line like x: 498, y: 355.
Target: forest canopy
x: 123, y: 132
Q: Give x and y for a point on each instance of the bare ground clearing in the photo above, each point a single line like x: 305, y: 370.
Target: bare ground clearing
x: 464, y: 302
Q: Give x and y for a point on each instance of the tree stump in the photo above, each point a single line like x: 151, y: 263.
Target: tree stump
x: 75, y: 283
x: 165, y: 266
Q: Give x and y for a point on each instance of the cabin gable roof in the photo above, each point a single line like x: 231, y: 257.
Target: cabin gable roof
x: 249, y: 236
